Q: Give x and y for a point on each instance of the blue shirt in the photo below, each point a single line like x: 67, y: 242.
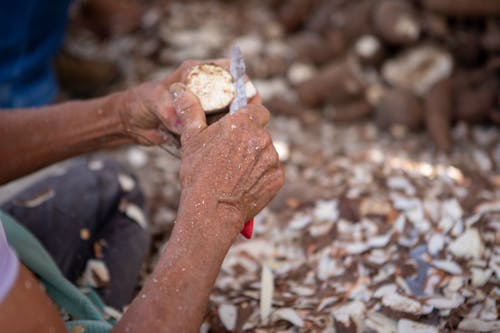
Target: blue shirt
x: 31, y: 32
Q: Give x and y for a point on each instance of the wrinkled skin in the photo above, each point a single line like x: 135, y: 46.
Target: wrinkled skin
x: 147, y: 113
x: 229, y: 172
x: 232, y: 163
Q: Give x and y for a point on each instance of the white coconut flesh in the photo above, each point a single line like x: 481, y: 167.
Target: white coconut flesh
x: 214, y: 87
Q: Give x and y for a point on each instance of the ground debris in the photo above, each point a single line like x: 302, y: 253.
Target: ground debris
x: 373, y: 231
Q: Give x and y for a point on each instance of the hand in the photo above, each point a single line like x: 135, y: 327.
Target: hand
x: 230, y: 169
x: 146, y: 111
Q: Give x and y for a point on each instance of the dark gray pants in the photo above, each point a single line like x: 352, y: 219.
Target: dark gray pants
x: 77, y: 216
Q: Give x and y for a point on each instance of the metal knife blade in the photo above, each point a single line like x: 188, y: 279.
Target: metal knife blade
x: 237, y: 69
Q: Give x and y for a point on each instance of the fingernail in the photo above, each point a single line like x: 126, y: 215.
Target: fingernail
x: 177, y: 89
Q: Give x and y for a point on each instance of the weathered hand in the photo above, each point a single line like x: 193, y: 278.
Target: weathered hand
x: 230, y: 169
x: 146, y: 111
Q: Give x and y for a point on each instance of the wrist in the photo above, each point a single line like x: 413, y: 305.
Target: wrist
x: 118, y: 105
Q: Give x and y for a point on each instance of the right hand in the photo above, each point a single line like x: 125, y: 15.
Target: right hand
x: 229, y: 169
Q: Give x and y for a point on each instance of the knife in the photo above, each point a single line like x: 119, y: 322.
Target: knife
x: 237, y: 69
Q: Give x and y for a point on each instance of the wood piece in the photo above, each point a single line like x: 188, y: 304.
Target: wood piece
x: 399, y: 107
x: 334, y: 83
x: 349, y: 112
x: 438, y: 114
x: 396, y: 22
x: 464, y: 8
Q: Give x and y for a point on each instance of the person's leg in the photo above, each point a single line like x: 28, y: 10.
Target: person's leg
x: 72, y: 212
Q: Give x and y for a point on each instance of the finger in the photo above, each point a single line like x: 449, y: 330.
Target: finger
x: 258, y: 113
x: 267, y: 187
x: 189, y: 111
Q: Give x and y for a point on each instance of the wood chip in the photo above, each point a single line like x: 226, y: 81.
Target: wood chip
x: 444, y: 303
x: 228, y: 314
x: 380, y: 323
x: 266, y: 293
x: 134, y: 213
x: 469, y: 244
x: 289, y: 315
x: 96, y: 274
x: 401, y: 303
x: 408, y: 326
x: 326, y: 210
x: 447, y: 266
x: 127, y: 183
x: 477, y: 325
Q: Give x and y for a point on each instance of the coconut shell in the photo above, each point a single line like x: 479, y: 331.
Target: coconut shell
x: 214, y: 87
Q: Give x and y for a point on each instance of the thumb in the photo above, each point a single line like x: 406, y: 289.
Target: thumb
x: 189, y: 111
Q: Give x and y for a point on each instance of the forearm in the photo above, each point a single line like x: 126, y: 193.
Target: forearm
x: 176, y: 295
x: 34, y: 138
x: 28, y: 297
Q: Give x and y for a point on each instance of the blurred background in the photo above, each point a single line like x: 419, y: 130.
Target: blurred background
x: 386, y: 116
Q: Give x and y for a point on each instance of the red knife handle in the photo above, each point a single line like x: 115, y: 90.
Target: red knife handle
x: 248, y: 229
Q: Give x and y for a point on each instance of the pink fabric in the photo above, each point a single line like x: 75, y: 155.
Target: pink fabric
x: 9, y: 265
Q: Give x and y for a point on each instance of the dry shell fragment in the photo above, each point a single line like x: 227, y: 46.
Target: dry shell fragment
x: 380, y: 323
x: 468, y: 245
x: 448, y: 266
x: 134, y: 213
x: 96, y: 274
x: 401, y: 303
x: 446, y: 303
x: 408, y: 326
x: 489, y: 311
x: 127, y: 183
x: 289, y: 315
x: 266, y: 293
x: 385, y: 290
x: 480, y: 277
x: 228, y: 314
x: 353, y: 310
x: 436, y: 244
x: 326, y: 210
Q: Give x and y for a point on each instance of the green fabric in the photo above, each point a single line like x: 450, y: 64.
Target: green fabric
x: 66, y: 296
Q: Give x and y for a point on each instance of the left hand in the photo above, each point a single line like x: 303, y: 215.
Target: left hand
x: 146, y: 111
